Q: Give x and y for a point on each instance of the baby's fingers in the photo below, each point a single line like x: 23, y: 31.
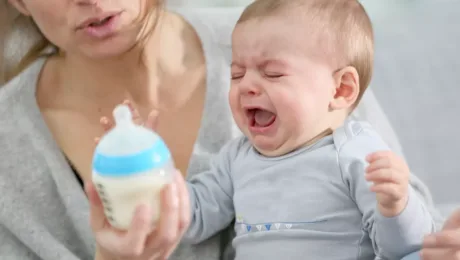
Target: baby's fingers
x: 385, y: 175
x: 378, y: 156
x: 394, y: 191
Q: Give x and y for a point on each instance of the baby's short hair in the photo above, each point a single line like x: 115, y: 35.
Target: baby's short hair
x: 345, y: 25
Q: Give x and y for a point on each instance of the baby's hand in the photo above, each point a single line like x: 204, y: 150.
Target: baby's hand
x: 150, y: 123
x: 390, y: 175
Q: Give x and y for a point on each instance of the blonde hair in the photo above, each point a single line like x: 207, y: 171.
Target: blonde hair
x: 41, y: 45
x: 344, y: 23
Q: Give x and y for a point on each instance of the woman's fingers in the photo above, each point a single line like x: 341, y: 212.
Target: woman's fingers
x: 167, y: 230
x: 184, y: 203
x: 168, y: 224
x: 453, y: 222
x: 184, y: 212
x: 446, y: 243
x: 139, y: 231
x: 97, y: 216
x: 439, y: 254
x: 447, y: 239
x: 128, y: 244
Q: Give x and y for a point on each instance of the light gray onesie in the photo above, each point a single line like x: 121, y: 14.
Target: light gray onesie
x: 313, y: 203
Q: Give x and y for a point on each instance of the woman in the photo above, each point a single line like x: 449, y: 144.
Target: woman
x: 107, y: 51
x: 444, y: 245
x: 100, y: 53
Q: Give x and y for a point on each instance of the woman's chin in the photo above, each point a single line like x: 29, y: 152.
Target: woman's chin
x: 109, y: 49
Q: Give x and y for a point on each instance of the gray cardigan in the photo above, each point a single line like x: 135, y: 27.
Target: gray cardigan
x: 43, y: 209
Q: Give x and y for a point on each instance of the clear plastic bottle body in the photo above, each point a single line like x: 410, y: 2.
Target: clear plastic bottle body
x: 122, y: 195
x: 131, y: 165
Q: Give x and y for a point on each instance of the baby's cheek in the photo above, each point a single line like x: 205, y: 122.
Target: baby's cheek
x: 294, y: 117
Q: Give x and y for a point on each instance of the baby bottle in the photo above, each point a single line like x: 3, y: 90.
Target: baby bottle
x: 131, y: 164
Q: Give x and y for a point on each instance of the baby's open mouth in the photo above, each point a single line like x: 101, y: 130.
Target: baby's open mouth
x: 259, y: 117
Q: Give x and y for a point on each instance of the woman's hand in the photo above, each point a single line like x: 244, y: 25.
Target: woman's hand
x: 444, y: 245
x: 140, y: 242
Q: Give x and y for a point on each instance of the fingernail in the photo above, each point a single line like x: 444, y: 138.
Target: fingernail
x: 103, y: 120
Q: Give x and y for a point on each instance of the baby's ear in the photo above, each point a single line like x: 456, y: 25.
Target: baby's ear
x: 346, y: 88
x: 20, y: 6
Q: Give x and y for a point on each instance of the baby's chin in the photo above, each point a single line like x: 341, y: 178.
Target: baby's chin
x: 273, y: 150
x: 270, y: 148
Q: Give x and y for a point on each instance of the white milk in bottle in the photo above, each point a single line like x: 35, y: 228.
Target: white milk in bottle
x: 131, y: 165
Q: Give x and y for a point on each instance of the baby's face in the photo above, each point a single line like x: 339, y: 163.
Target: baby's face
x: 280, y: 91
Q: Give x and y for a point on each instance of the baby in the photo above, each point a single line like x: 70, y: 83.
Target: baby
x: 305, y: 182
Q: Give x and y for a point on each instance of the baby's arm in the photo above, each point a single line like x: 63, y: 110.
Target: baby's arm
x: 394, y: 216
x: 211, y: 197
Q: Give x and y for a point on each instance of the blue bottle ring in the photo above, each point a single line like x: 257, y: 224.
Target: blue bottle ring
x: 121, y: 166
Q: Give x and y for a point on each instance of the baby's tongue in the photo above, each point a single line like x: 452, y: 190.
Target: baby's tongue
x: 263, y: 117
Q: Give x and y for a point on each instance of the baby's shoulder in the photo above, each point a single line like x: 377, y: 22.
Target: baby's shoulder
x: 357, y: 139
